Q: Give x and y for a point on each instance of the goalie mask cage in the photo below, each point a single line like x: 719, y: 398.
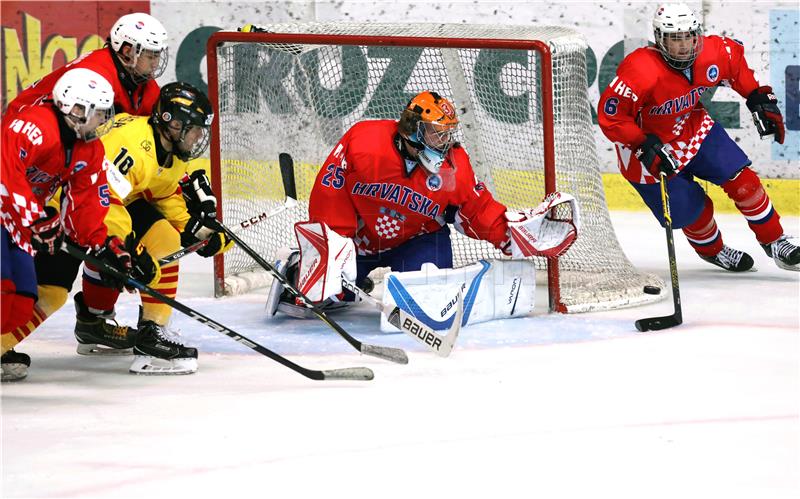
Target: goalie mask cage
x: 521, y: 98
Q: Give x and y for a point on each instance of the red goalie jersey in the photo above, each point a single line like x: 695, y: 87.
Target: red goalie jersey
x: 35, y: 165
x: 648, y: 96
x: 364, y: 191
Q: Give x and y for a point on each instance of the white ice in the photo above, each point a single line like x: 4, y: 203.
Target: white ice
x: 548, y: 406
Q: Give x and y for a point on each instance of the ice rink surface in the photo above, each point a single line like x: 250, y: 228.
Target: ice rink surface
x: 548, y: 406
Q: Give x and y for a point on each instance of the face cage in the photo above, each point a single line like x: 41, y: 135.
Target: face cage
x: 163, y: 59
x: 444, y: 135
x: 198, y: 148
x: 104, y: 118
x: 680, y: 63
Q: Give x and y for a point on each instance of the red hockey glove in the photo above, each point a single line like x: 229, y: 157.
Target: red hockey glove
x: 128, y: 258
x: 46, y: 232
x: 766, y: 115
x: 655, y: 156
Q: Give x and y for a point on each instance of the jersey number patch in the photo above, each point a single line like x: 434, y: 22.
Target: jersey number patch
x: 334, y: 178
x: 123, y: 161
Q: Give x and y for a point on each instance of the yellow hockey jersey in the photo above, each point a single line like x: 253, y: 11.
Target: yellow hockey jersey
x: 136, y: 174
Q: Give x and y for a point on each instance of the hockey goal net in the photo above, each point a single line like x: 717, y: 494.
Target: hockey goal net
x: 525, y: 122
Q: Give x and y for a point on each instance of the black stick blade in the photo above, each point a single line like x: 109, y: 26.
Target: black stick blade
x: 287, y: 174
x: 657, y: 323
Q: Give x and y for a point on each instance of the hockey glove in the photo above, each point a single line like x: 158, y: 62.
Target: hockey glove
x: 200, y: 199
x: 46, y: 232
x: 217, y: 244
x: 128, y: 258
x: 766, y: 115
x: 656, y: 157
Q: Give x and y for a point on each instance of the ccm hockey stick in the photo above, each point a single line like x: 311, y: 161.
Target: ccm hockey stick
x: 442, y: 345
x: 388, y: 353
x: 290, y: 190
x: 351, y: 373
x: 667, y: 321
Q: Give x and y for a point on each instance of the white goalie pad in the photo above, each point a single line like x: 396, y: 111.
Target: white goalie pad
x: 547, y: 230
x: 325, y: 257
x: 491, y: 289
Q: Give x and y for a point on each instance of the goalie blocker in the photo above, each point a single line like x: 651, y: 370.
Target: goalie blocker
x: 492, y: 289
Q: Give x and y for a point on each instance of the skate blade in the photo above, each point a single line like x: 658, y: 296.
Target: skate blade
x: 780, y: 264
x: 97, y: 350
x: 13, y: 372
x: 153, y: 366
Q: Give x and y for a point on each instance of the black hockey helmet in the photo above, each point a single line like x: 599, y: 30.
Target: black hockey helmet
x: 180, y: 108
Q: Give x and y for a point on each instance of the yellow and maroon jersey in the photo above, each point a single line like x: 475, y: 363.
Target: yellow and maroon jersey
x: 648, y: 96
x: 367, y: 191
x: 35, y: 164
x: 131, y: 147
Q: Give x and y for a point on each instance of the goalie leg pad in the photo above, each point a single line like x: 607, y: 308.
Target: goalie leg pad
x: 493, y: 289
x: 280, y: 300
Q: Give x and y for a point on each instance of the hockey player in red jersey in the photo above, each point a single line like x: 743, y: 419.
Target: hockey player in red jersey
x: 49, y: 146
x: 384, y: 196
x: 652, y: 113
x: 134, y: 56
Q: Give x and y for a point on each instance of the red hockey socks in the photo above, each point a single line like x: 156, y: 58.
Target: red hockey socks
x: 703, y: 234
x: 751, y: 199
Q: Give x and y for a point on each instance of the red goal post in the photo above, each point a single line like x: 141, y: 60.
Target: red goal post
x: 522, y: 101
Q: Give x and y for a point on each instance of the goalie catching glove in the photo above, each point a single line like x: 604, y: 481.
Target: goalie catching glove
x: 547, y: 230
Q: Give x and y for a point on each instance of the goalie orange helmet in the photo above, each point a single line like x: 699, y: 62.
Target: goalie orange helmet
x: 429, y: 123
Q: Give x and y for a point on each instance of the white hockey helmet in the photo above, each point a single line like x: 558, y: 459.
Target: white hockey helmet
x: 87, y: 101
x: 675, y: 24
x: 146, y: 36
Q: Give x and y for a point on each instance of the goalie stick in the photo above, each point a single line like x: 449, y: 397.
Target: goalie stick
x: 290, y: 191
x: 388, y: 353
x: 349, y: 373
x: 667, y: 321
x: 442, y: 345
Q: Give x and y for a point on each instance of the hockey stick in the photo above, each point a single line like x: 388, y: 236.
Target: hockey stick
x: 245, y: 224
x: 388, y: 353
x: 290, y: 190
x: 442, y: 345
x: 667, y: 321
x: 350, y: 373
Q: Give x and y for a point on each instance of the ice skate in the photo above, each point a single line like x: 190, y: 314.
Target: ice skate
x: 157, y: 352
x: 785, y: 253
x: 97, y: 336
x: 14, y: 366
x: 731, y: 260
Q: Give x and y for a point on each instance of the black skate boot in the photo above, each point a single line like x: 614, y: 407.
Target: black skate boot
x: 14, y: 366
x: 97, y: 336
x: 731, y: 260
x: 785, y: 254
x: 158, y: 352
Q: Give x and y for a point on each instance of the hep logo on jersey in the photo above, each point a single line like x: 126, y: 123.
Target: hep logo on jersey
x: 712, y: 73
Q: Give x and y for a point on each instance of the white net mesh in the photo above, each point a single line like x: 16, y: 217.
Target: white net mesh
x: 300, y: 98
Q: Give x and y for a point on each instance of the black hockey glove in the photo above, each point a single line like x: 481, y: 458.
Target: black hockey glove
x: 200, y: 199
x: 217, y: 244
x: 654, y: 155
x: 46, y: 232
x: 766, y: 115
